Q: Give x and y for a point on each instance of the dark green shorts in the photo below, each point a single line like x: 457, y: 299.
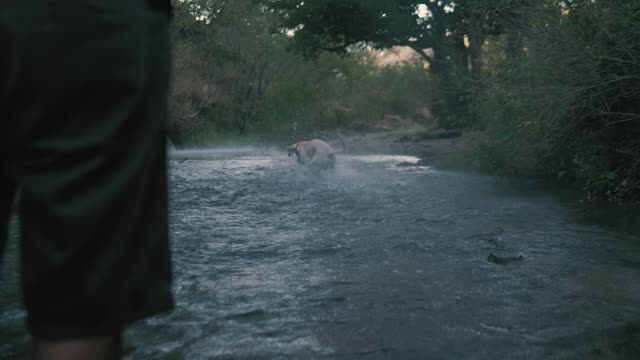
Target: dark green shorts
x: 83, y: 88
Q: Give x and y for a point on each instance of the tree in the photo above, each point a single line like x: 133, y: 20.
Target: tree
x: 448, y: 35
x: 226, y: 59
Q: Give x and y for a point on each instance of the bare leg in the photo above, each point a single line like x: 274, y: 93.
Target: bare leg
x: 98, y: 348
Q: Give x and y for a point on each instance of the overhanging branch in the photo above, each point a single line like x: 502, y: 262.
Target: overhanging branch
x: 338, y: 48
x: 422, y: 54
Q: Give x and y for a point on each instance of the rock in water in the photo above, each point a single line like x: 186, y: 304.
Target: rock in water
x: 503, y: 260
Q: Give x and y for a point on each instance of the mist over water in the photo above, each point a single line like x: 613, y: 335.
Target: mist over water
x: 378, y: 259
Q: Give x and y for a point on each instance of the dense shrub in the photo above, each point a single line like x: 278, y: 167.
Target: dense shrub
x: 569, y: 105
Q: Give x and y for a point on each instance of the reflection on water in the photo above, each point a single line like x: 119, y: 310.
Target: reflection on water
x: 379, y: 259
x: 393, y: 159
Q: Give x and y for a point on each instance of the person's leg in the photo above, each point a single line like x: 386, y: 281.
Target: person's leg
x: 7, y: 190
x: 91, y: 163
x: 108, y: 348
x: 7, y: 187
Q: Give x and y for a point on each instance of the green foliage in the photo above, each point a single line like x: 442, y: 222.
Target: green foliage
x: 335, y: 25
x: 341, y: 26
x: 235, y: 77
x: 569, y: 106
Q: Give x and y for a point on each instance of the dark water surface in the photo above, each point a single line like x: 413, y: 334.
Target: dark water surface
x: 379, y: 261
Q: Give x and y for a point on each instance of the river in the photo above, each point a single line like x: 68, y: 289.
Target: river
x: 379, y: 259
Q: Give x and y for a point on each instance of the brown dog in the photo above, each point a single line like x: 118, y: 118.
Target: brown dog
x: 315, y: 153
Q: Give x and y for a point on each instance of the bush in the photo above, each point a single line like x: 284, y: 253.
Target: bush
x: 570, y: 104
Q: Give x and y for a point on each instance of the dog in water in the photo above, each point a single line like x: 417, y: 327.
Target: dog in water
x: 316, y: 154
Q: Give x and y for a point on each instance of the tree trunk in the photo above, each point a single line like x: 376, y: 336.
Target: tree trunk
x: 476, y: 37
x: 514, y: 43
x: 453, y: 105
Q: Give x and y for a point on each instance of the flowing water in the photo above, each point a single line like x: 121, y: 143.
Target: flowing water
x: 379, y: 259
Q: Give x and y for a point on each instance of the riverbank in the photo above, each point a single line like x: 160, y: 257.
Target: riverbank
x: 434, y: 146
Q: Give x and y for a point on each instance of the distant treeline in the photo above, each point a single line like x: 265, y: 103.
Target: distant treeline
x: 554, y: 84
x: 236, y: 79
